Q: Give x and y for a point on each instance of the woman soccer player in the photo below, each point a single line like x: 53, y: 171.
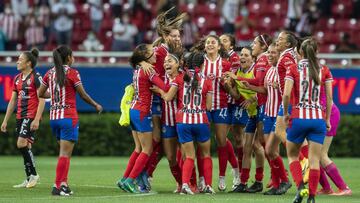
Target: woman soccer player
x: 194, y: 96
x: 29, y: 110
x: 307, y: 121
x: 63, y: 82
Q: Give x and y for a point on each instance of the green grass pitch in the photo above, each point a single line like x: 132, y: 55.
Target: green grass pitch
x: 93, y: 180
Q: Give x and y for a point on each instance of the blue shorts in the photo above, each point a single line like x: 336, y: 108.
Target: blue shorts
x: 168, y: 131
x: 238, y: 115
x: 193, y: 132
x: 312, y: 129
x: 64, y: 129
x: 251, y: 124
x: 281, y: 110
x: 140, y: 125
x: 219, y: 116
x: 156, y: 106
x: 269, y: 124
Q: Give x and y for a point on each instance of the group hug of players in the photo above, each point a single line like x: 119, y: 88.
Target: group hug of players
x: 272, y: 93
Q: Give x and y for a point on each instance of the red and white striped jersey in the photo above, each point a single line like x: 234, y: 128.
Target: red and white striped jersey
x: 10, y: 26
x: 63, y: 99
x: 169, y: 110
x: 287, y: 58
x: 234, y: 60
x: 305, y: 97
x: 160, y: 52
x: 213, y: 70
x: 192, y: 104
x: 273, y: 99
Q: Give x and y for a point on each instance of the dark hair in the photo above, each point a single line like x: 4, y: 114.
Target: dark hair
x: 32, y: 56
x: 265, y: 40
x: 309, y: 49
x: 248, y: 48
x: 291, y: 38
x: 138, y: 55
x: 177, y: 51
x: 200, y: 46
x: 61, y: 55
x: 194, y: 60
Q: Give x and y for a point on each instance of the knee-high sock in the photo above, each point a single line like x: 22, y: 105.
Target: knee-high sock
x: 187, y: 170
x: 275, y: 176
x: 29, y: 161
x: 323, y: 180
x: 208, y: 166
x: 223, y: 158
x: 240, y: 157
x: 200, y: 162
x: 139, y: 165
x: 296, y: 172
x: 244, y: 176
x: 179, y: 158
x: 259, y: 175
x: 231, y: 155
x: 176, y: 172
x: 193, y: 180
x: 61, y: 170
x: 334, y: 174
x: 131, y: 163
x: 66, y: 173
x: 154, y: 158
x: 314, y: 176
x: 279, y: 164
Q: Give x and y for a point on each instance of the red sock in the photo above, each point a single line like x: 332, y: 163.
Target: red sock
x: 156, y: 157
x: 187, y: 170
x: 193, y: 180
x: 65, y: 175
x: 301, y: 156
x: 259, y: 174
x: 245, y: 173
x: 305, y: 151
x: 275, y: 179
x: 208, y: 166
x: 240, y: 157
x: 179, y: 157
x: 281, y: 169
x: 139, y: 165
x: 295, y: 169
x: 131, y: 163
x: 314, y: 177
x: 200, y: 162
x: 176, y: 172
x: 223, y: 158
x: 231, y: 154
x: 60, y: 170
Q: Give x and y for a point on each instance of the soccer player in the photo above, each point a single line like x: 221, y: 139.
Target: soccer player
x: 140, y: 116
x: 29, y: 111
x: 63, y: 82
x: 307, y: 120
x: 194, y: 96
x: 238, y: 119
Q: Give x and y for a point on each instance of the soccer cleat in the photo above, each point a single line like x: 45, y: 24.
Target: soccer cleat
x: 300, y: 194
x: 273, y: 191
x: 141, y: 186
x: 236, y: 174
x: 33, y: 181
x: 185, y: 190
x: 201, y: 184
x: 58, y: 192
x: 21, y: 185
x: 305, y: 169
x: 130, y: 186
x: 346, y: 192
x: 284, y: 187
x: 241, y: 188
x: 146, y: 179
x: 256, y: 187
x: 325, y: 192
x: 209, y: 190
x: 311, y: 199
x: 66, y: 189
x: 222, y: 184
x: 120, y: 184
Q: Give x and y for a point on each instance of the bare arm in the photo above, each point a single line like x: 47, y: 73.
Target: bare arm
x: 209, y: 101
x: 286, y: 98
x: 42, y: 93
x: 9, y: 111
x: 329, y: 102
x: 170, y: 95
x: 80, y: 89
x: 35, y: 123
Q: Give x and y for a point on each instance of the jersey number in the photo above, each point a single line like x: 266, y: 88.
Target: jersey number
x: 57, y: 94
x: 187, y: 96
x: 314, y: 92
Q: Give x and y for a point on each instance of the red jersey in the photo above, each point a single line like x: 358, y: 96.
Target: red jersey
x: 213, y: 70
x: 169, y: 107
x: 143, y: 96
x: 273, y: 99
x: 160, y: 53
x: 287, y: 58
x: 27, y: 99
x: 261, y: 66
x: 63, y: 99
x: 305, y: 98
x: 192, y: 104
x: 234, y: 60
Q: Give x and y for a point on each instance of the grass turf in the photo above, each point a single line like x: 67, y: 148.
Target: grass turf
x: 93, y: 180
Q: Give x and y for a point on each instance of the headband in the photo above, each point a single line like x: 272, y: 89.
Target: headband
x: 175, y: 57
x: 263, y: 39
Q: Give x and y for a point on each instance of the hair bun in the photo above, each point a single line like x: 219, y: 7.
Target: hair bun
x: 35, y: 52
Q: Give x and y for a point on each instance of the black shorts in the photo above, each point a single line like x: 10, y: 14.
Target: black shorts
x: 23, y: 129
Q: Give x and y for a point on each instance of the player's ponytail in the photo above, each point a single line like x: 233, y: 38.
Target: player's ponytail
x: 195, y: 61
x: 309, y: 49
x: 32, y: 56
x: 61, y: 56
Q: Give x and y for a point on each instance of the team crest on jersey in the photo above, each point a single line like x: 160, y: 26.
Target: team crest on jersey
x: 16, y: 82
x: 28, y: 82
x: 211, y: 76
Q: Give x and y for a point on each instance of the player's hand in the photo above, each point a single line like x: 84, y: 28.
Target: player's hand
x: 246, y: 103
x: 246, y: 84
x: 34, y: 125
x: 231, y: 75
x: 3, y: 127
x: 99, y: 108
x: 147, y: 67
x: 155, y: 89
x: 328, y: 126
x: 286, y: 119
